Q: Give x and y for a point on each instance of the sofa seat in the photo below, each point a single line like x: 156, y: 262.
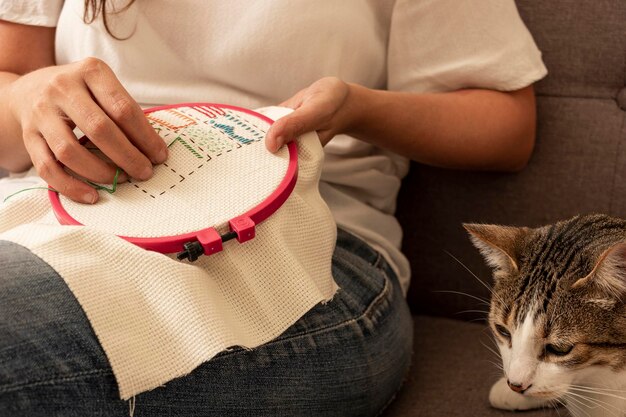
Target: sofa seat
x: 452, y: 372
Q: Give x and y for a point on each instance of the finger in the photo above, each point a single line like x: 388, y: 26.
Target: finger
x: 123, y: 110
x: 101, y: 130
x: 284, y: 130
x: 68, y: 150
x: 52, y: 172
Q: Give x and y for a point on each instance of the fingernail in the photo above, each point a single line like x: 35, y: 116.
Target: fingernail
x: 162, y: 156
x: 278, y: 142
x: 146, y: 173
x: 90, y: 198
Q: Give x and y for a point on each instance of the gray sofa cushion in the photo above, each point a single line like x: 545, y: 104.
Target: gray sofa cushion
x: 583, y: 45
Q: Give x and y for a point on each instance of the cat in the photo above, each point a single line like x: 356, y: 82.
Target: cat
x: 558, y: 314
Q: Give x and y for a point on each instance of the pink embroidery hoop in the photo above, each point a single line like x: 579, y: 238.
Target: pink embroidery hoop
x: 208, y: 240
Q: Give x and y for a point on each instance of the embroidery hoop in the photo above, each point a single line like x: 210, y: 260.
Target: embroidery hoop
x: 237, y: 125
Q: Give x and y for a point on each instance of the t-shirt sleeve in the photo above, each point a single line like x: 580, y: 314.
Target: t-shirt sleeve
x: 31, y: 12
x: 444, y: 45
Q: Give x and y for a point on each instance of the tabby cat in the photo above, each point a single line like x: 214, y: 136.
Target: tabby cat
x: 558, y: 314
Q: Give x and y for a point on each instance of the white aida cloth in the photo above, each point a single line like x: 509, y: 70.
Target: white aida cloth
x: 157, y: 318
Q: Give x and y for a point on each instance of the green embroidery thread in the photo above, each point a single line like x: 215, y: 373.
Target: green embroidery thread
x: 94, y: 185
x: 186, y: 145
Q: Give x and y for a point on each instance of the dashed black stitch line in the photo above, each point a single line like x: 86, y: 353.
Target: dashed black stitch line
x: 171, y: 169
x: 237, y: 144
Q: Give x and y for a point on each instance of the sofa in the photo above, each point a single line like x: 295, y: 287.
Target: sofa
x: 578, y: 166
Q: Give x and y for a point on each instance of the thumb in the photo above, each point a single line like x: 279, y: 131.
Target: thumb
x: 286, y: 129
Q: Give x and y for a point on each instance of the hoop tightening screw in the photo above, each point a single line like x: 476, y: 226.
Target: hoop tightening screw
x: 193, y: 250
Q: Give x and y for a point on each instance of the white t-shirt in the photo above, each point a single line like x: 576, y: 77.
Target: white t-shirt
x: 254, y: 54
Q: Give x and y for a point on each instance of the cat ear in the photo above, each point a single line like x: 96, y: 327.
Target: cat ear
x: 498, y: 244
x: 609, y: 274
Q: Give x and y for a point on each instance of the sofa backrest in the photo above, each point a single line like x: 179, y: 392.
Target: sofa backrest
x: 578, y: 166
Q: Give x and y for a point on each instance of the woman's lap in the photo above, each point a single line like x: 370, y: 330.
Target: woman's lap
x: 346, y: 357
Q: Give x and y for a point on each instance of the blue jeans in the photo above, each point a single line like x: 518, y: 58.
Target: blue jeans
x: 344, y: 358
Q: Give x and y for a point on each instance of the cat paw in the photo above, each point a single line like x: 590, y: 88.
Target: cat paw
x: 502, y: 397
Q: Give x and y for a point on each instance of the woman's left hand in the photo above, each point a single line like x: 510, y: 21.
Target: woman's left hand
x: 322, y: 107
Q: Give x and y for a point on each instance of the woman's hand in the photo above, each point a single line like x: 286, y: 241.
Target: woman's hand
x: 323, y: 107
x: 50, y: 102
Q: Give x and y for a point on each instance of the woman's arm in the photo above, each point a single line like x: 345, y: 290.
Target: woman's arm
x: 41, y: 103
x: 465, y: 129
x: 15, y: 40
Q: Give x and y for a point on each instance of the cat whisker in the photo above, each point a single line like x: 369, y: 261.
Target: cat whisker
x: 598, y: 388
x: 482, y: 300
x: 496, y: 375
x: 477, y: 320
x: 576, y: 404
x: 493, y: 340
x: 497, y: 362
x: 556, y: 404
x: 495, y: 352
x: 483, y: 283
x: 482, y: 313
x: 598, y: 403
x: 473, y: 311
x: 497, y: 365
x: 594, y: 391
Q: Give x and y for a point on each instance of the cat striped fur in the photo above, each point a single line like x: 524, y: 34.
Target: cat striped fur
x: 558, y: 313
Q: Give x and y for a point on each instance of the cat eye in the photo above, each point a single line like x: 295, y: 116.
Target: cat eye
x: 557, y: 350
x: 503, y: 331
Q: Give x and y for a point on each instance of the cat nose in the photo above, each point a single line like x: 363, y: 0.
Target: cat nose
x: 519, y: 388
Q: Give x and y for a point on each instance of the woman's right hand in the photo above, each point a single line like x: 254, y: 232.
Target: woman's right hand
x: 50, y: 102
